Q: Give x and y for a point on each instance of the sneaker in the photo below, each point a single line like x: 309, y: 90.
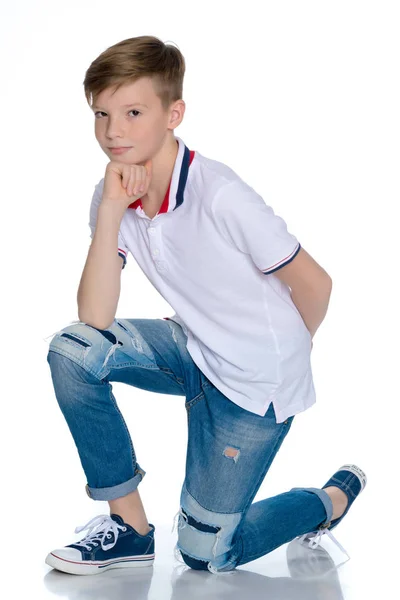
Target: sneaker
x: 352, y: 480
x: 127, y: 548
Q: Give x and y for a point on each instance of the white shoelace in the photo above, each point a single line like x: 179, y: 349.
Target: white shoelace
x: 315, y: 540
x: 105, y: 524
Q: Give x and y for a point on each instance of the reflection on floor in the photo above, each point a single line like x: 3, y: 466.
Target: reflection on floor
x: 292, y: 572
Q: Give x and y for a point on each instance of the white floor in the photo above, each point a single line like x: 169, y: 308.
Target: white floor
x: 292, y: 571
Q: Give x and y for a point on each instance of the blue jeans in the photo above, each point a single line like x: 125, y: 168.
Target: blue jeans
x: 229, y: 449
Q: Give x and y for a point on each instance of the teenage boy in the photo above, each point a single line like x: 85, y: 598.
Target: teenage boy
x: 248, y: 300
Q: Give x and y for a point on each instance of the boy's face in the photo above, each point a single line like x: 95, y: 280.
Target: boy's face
x: 142, y: 128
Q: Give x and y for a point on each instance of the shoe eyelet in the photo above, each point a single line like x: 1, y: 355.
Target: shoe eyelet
x: 108, y: 535
x: 124, y: 529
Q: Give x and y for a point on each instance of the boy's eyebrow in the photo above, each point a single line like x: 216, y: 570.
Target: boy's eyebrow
x: 127, y: 105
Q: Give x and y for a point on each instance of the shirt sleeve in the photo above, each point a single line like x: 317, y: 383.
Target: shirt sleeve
x: 252, y: 226
x: 96, y: 199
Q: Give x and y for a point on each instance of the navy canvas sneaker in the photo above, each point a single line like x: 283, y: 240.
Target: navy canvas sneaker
x: 351, y: 480
x: 91, y: 555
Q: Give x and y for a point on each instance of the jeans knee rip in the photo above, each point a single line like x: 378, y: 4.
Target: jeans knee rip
x: 204, y: 535
x: 107, y: 334
x: 194, y: 534
x: 129, y: 333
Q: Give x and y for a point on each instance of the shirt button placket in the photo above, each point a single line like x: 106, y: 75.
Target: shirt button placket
x: 155, y: 252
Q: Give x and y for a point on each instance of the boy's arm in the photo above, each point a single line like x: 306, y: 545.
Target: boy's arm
x: 312, y: 304
x: 100, y: 284
x: 251, y: 226
x: 310, y: 287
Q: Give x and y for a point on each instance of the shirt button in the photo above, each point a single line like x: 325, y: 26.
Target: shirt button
x: 161, y: 265
x: 156, y: 252
x: 151, y: 230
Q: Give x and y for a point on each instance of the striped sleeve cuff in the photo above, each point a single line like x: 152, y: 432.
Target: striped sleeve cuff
x: 122, y: 253
x: 283, y: 262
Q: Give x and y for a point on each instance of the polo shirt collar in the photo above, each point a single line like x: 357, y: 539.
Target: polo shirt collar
x: 175, y: 193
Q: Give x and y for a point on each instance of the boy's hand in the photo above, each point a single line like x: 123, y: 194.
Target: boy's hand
x: 123, y: 184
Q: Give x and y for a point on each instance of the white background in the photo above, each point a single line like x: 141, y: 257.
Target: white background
x: 301, y: 99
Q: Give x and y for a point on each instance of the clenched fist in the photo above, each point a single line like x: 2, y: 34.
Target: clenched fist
x: 123, y: 184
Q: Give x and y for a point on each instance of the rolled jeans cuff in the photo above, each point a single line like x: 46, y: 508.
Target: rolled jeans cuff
x: 116, y: 491
x: 325, y: 499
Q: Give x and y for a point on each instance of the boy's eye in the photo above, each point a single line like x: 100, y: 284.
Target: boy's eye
x: 103, y: 113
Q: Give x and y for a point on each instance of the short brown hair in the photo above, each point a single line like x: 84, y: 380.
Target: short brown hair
x: 129, y: 60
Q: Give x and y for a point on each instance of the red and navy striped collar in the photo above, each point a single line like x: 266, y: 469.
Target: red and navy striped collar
x: 174, y: 195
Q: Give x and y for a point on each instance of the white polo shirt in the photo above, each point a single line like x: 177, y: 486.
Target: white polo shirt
x: 211, y: 251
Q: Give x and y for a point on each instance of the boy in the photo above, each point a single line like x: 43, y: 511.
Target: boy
x: 248, y: 301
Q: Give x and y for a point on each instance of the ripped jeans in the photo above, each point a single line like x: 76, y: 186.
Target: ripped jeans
x: 229, y: 449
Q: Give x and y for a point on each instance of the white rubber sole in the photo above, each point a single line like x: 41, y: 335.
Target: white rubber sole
x: 93, y: 567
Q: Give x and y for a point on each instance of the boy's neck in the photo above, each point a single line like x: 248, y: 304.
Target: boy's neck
x: 162, y: 168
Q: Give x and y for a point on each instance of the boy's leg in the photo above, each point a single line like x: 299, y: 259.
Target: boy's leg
x: 229, y: 453
x: 131, y: 509
x: 145, y: 353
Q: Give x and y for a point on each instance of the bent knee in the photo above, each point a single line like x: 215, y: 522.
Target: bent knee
x: 82, y: 335
x: 205, y: 537
x: 82, y: 344
x: 194, y: 563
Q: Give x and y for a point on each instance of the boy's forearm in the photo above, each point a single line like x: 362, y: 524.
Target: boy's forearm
x: 312, y: 304
x: 99, y: 288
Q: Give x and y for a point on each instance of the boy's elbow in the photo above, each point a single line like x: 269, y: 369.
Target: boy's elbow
x: 96, y: 323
